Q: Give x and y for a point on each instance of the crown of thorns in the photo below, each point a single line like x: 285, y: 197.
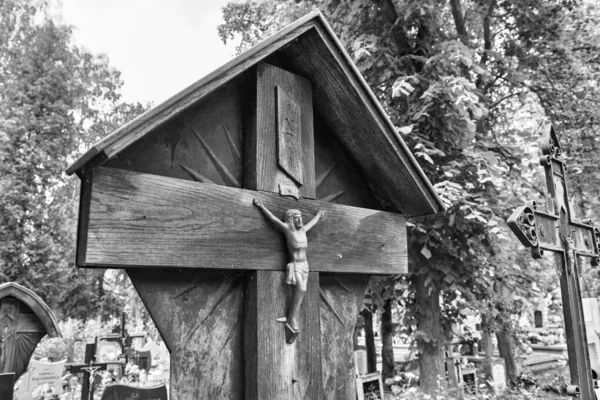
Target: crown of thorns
x: 291, y: 213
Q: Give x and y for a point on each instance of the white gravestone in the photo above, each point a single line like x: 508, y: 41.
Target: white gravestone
x: 41, y: 378
x: 499, y: 378
x: 591, y: 314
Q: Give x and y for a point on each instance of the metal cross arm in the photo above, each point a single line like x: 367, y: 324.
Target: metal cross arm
x: 553, y: 228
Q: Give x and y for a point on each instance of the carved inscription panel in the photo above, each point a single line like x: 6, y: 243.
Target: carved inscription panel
x: 289, y: 137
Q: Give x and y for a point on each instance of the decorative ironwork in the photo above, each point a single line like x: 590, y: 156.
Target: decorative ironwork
x: 555, y: 230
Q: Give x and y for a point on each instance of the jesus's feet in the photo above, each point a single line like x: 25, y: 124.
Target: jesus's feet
x: 290, y: 333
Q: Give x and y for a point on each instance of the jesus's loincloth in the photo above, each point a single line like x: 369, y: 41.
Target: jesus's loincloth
x: 300, y: 268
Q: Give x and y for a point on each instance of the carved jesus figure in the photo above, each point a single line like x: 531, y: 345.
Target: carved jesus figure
x: 297, y: 268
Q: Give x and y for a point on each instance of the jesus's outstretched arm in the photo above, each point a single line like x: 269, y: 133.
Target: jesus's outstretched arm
x: 270, y: 217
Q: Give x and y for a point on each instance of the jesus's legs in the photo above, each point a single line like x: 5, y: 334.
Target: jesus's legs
x: 290, y: 278
x: 298, y: 292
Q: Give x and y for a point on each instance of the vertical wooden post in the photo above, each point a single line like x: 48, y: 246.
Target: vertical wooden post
x: 274, y: 368
x: 279, y: 145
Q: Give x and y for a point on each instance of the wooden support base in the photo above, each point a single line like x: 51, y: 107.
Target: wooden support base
x: 216, y: 324
x: 199, y: 316
x: 341, y: 297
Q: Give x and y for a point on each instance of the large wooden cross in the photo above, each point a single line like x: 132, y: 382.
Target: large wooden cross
x: 188, y: 247
x: 552, y: 227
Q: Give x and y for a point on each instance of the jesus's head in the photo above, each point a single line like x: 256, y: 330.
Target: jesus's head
x: 295, y: 218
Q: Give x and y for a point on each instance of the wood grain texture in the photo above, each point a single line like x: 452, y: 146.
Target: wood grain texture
x: 275, y: 369
x: 352, y: 115
x: 85, y: 196
x: 336, y: 173
x: 319, y: 55
x: 261, y: 131
x: 289, y: 135
x: 134, y: 130
x: 342, y: 296
x: 217, y: 120
x: 199, y: 316
x: 147, y: 220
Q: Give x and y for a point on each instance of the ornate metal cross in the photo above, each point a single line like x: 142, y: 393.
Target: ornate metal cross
x: 552, y: 228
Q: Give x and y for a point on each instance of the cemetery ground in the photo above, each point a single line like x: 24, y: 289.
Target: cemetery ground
x: 547, y: 382
x: 411, y: 134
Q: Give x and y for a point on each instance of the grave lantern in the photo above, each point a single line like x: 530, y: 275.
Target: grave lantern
x: 173, y: 197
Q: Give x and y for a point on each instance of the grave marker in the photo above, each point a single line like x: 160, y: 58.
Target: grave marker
x: 120, y: 392
x: 45, y: 373
x: 7, y: 384
x: 552, y: 227
x: 170, y: 198
x: 591, y: 313
x: 24, y: 320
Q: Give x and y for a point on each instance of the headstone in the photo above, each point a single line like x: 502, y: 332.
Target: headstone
x: 369, y: 387
x: 538, y: 320
x: 107, y: 350
x: 469, y: 380
x: 539, y: 314
x: 7, y: 384
x: 46, y: 375
x: 498, y: 378
x: 153, y: 349
x: 591, y: 314
x: 494, y: 370
x: 120, y: 392
x: 24, y: 320
x: 360, y: 358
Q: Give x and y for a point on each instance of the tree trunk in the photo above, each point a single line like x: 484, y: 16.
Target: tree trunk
x: 370, y: 341
x: 387, y: 340
x: 431, y: 359
x: 486, y: 338
x: 506, y: 347
x: 355, y: 336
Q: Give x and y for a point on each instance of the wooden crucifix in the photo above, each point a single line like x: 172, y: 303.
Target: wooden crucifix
x: 553, y: 228
x: 173, y: 198
x: 88, y: 369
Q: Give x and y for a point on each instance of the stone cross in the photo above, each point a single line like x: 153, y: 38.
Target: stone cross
x: 553, y: 228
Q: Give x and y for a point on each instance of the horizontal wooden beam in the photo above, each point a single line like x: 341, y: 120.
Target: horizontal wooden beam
x: 143, y: 220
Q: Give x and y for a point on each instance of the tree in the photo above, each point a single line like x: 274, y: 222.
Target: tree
x: 458, y: 79
x: 54, y: 100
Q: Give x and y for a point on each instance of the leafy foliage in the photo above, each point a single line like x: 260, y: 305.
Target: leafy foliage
x: 55, y: 99
x: 471, y: 85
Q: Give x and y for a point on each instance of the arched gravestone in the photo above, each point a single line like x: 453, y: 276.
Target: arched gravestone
x: 170, y: 197
x: 24, y: 320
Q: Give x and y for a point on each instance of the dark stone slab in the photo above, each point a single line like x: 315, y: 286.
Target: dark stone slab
x: 119, y: 392
x: 7, y: 384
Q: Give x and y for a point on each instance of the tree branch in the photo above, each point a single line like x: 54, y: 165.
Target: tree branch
x: 459, y: 21
x: 487, y: 39
x: 397, y: 30
x: 494, y: 104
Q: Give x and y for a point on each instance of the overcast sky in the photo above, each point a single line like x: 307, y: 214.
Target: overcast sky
x: 160, y: 46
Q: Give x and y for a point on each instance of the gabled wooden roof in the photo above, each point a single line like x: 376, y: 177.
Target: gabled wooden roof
x: 342, y: 98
